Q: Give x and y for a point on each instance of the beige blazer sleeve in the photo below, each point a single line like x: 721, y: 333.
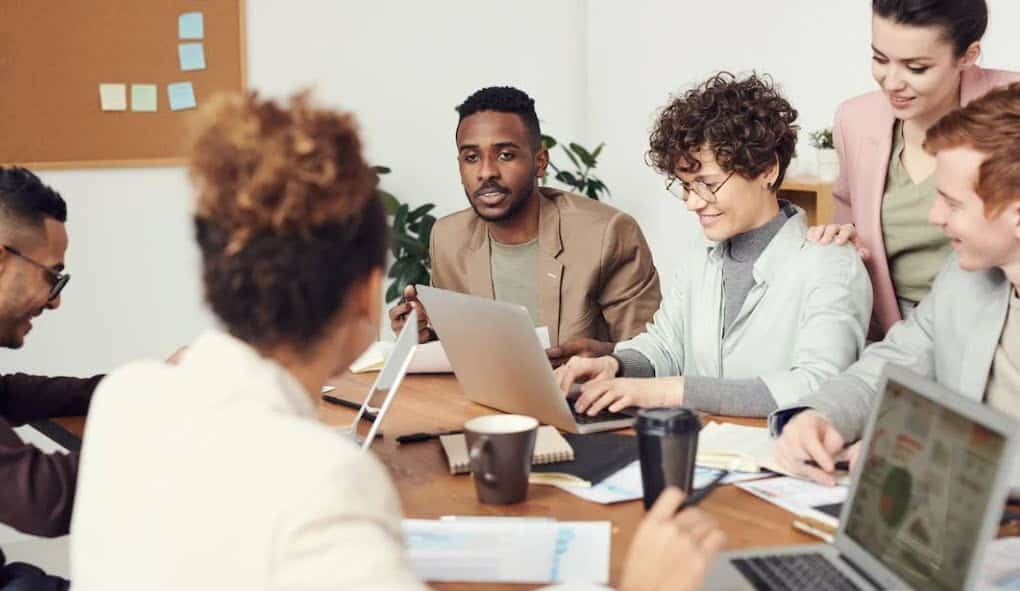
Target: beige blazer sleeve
x: 630, y: 292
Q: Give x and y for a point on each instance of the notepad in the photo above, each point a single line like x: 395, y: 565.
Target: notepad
x: 726, y: 446
x: 550, y: 447
x: 597, y: 456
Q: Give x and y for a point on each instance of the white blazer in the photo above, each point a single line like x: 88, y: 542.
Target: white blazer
x: 215, y: 475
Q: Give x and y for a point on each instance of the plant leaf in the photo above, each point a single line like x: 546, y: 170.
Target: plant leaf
x: 411, y: 245
x: 420, y: 211
x: 400, y: 218
x: 548, y: 142
x: 393, y: 291
x: 568, y: 178
x: 381, y: 169
x: 425, y: 230
x: 389, y: 202
x: 572, y: 157
x: 583, y: 154
x: 598, y: 150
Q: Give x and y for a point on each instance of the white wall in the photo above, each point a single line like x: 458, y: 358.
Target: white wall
x: 598, y: 70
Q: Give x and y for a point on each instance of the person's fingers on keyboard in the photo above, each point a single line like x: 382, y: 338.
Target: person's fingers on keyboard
x: 591, y: 392
x: 605, y: 402
x: 622, y: 403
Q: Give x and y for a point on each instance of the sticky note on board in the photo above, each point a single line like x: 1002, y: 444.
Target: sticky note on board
x: 192, y: 56
x: 143, y: 97
x: 190, y: 25
x: 181, y: 95
x: 113, y: 97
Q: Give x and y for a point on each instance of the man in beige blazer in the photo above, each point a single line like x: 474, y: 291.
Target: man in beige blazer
x: 579, y: 266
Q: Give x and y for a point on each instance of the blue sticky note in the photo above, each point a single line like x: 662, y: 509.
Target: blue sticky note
x: 192, y: 56
x: 190, y: 26
x: 181, y: 95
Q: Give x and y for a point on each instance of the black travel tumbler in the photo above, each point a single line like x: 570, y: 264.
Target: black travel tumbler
x: 667, y: 447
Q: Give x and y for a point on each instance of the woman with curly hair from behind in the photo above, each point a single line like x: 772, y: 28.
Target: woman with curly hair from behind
x: 757, y: 317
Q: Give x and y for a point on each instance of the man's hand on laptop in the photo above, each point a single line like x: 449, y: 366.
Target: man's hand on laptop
x: 579, y: 370
x: 398, y: 315
x: 671, y: 551
x: 580, y: 347
x: 809, y: 436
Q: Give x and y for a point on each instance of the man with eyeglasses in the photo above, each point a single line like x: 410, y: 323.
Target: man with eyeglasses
x: 758, y: 317
x: 36, y: 488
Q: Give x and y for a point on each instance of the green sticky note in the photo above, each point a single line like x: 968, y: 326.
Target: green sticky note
x: 181, y: 95
x: 192, y: 56
x: 113, y: 97
x: 143, y: 97
x: 190, y: 26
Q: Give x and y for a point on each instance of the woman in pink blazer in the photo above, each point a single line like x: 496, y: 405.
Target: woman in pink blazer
x: 923, y: 59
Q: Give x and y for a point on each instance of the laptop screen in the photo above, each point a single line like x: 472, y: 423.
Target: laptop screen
x: 924, y: 489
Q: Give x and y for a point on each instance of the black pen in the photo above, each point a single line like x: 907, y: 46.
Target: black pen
x: 841, y: 465
x: 416, y: 437
x: 367, y: 416
x: 703, y: 492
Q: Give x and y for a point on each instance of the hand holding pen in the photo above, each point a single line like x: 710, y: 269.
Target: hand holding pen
x: 398, y: 315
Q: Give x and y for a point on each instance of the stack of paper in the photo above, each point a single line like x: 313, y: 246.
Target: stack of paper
x: 509, y: 550
x: 795, y: 495
x: 726, y: 446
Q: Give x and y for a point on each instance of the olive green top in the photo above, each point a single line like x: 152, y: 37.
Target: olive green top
x: 916, y: 249
x: 515, y: 274
x: 1003, y: 391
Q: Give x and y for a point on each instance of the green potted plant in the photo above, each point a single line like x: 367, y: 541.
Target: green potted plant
x: 828, y: 162
x: 410, y: 230
x: 581, y: 180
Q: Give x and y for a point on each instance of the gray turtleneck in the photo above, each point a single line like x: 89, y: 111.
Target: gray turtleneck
x: 743, y: 397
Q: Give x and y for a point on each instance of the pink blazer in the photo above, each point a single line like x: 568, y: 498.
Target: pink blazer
x: 863, y: 137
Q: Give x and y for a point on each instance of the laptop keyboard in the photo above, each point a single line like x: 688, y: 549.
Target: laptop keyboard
x: 793, y: 572
x: 602, y: 417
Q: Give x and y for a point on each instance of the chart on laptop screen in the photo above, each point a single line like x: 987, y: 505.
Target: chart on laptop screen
x: 923, y: 492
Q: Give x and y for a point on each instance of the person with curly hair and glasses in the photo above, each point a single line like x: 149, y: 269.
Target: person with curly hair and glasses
x: 758, y: 317
x: 240, y: 486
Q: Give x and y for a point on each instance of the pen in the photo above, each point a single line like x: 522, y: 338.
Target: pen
x: 703, y: 492
x: 416, y: 437
x: 841, y: 465
x: 367, y: 416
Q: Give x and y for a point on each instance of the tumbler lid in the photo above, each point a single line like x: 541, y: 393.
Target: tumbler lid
x: 667, y: 421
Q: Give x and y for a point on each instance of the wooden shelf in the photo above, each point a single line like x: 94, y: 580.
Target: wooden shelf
x: 811, y: 194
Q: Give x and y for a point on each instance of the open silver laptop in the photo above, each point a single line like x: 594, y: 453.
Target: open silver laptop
x: 388, y: 381
x: 500, y: 363
x: 925, y: 499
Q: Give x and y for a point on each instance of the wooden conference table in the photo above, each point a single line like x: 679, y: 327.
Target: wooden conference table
x: 427, y: 490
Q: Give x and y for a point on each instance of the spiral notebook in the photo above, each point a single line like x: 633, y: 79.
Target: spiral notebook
x: 550, y: 447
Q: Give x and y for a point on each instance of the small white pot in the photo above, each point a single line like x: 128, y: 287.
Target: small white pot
x: 828, y: 165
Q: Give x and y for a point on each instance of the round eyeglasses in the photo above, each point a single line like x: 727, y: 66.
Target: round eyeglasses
x: 682, y: 190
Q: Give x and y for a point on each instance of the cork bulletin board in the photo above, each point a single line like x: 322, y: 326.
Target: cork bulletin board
x: 57, y: 55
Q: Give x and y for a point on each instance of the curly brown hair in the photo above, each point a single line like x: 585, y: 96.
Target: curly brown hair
x: 287, y: 217
x: 747, y: 125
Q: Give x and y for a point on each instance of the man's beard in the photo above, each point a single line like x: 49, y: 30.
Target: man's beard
x: 518, y: 201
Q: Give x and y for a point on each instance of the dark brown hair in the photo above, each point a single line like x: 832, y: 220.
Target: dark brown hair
x: 990, y: 125
x: 962, y: 21
x: 746, y: 124
x: 287, y: 217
